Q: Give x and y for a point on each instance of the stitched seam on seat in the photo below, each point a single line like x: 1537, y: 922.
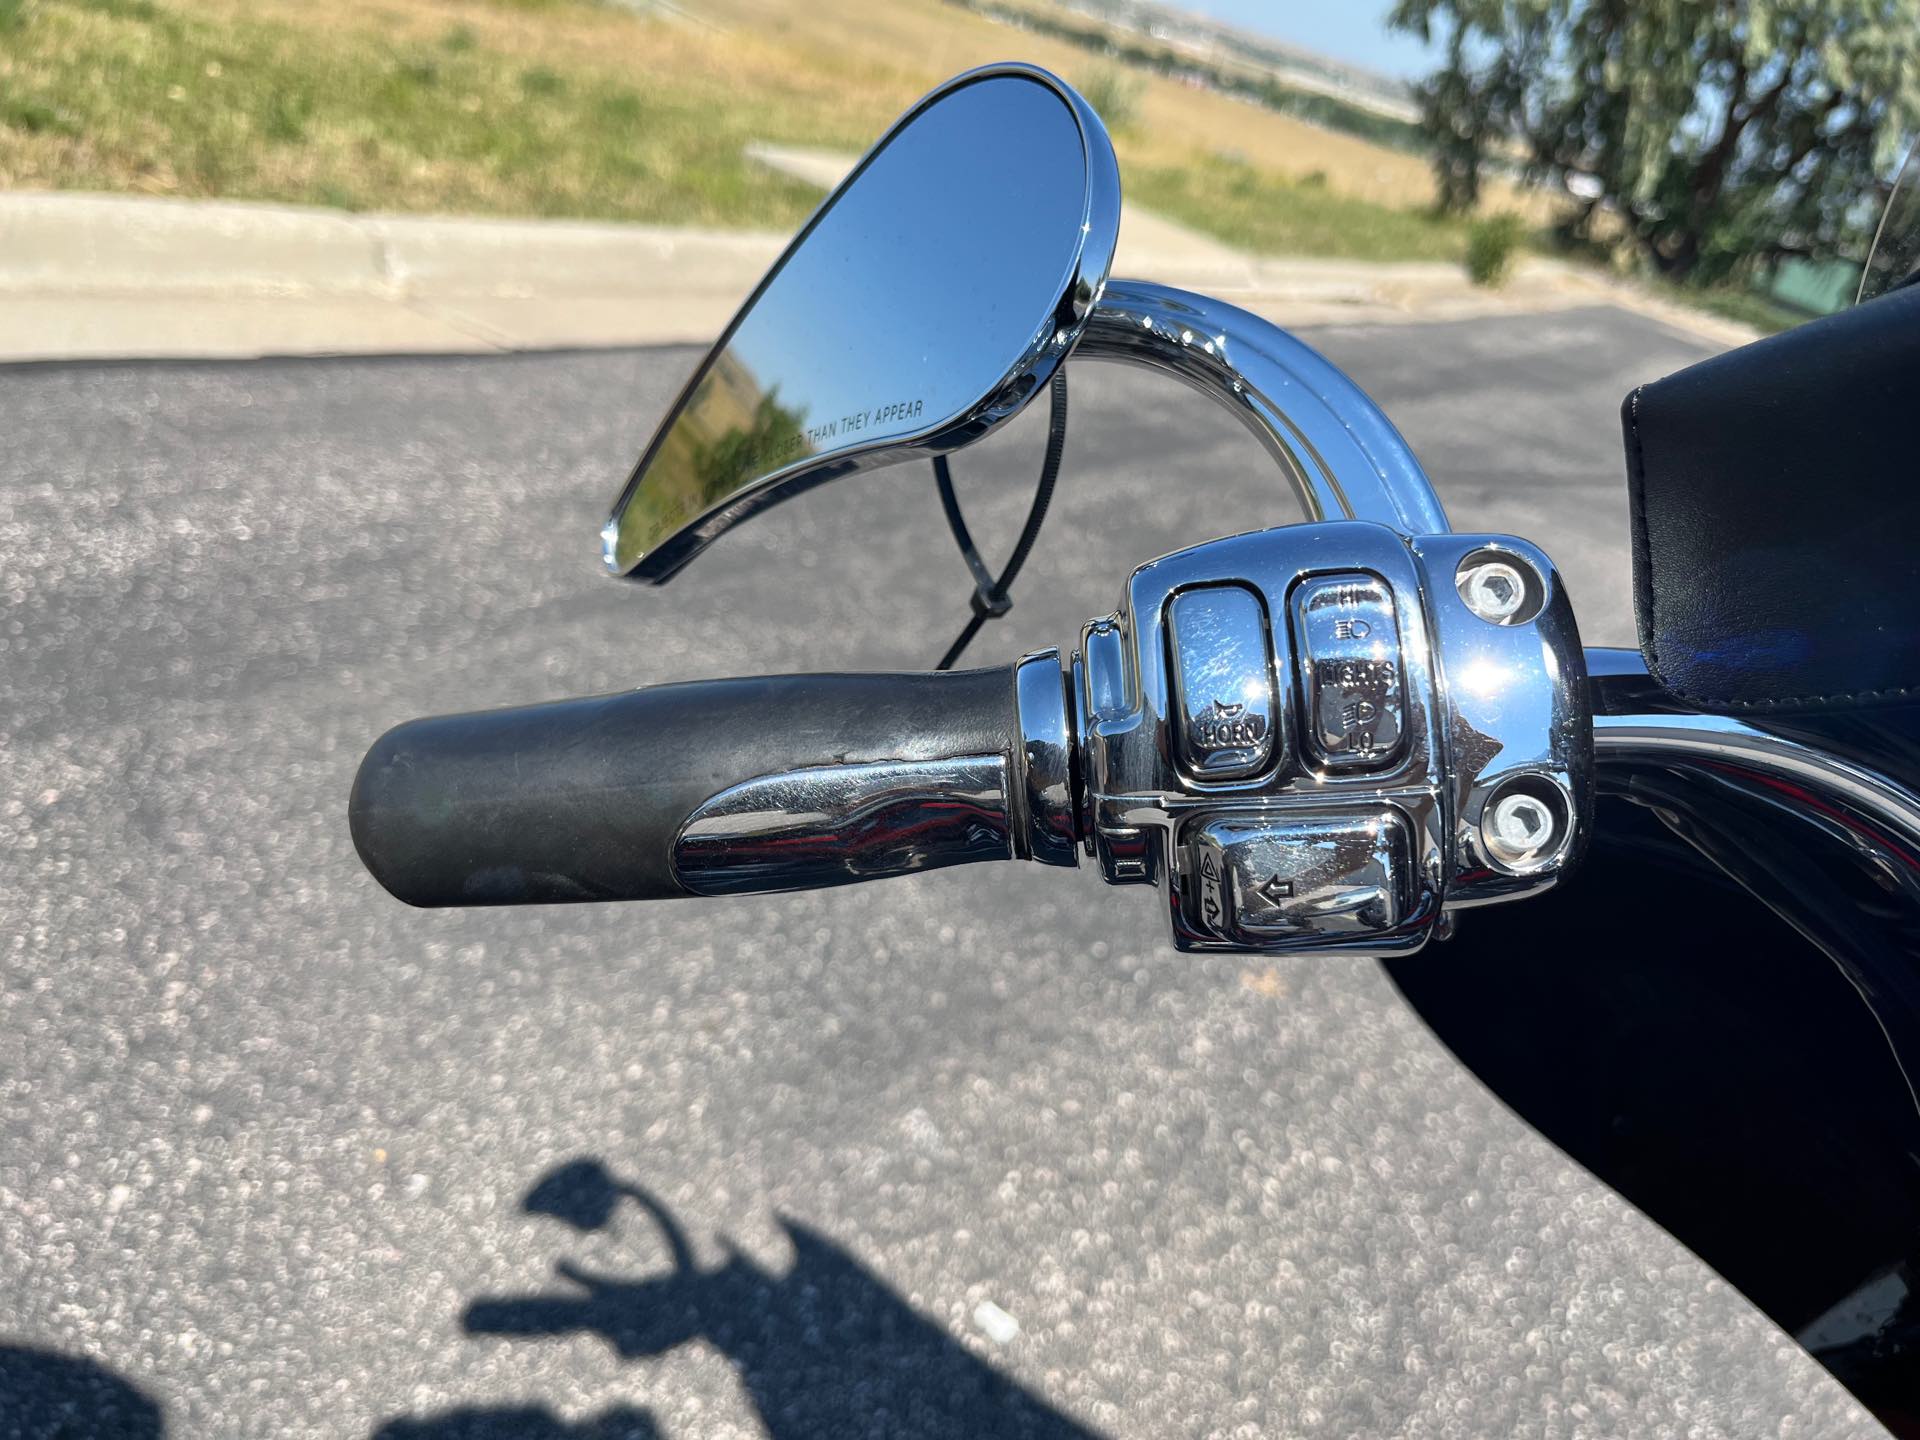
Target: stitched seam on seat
x: 1642, y: 532
x: 1897, y: 692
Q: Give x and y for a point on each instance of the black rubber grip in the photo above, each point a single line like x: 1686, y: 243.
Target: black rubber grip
x: 581, y: 800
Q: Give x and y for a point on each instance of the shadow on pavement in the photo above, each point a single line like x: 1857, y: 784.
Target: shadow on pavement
x: 825, y: 1349
x: 46, y: 1396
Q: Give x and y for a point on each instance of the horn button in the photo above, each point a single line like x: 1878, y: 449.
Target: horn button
x: 1228, y: 723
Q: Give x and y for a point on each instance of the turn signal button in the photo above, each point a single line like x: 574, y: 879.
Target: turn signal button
x: 1301, y: 877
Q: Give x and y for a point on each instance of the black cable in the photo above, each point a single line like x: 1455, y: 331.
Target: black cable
x: 962, y: 640
x: 990, y: 598
x: 943, y: 478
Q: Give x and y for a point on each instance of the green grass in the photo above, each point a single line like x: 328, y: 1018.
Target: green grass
x: 1114, y: 95
x: 538, y: 107
x: 158, y: 96
x: 1491, y: 243
x: 1745, y: 306
x: 1271, y: 215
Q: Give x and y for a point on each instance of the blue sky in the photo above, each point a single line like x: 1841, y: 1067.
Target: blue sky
x: 1351, y: 30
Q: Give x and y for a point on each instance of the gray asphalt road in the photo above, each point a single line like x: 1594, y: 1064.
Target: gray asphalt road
x: 288, y: 1159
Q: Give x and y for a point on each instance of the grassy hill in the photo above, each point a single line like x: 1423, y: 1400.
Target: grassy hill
x: 616, y: 111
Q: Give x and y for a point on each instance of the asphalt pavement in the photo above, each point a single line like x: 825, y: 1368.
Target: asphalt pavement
x: 972, y: 1153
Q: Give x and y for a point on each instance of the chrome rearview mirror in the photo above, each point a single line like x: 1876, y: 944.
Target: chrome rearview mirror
x: 929, y: 298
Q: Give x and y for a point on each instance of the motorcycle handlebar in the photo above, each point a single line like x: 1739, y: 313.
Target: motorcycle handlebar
x: 710, y: 787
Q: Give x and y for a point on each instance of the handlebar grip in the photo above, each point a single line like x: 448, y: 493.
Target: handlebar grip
x: 585, y: 799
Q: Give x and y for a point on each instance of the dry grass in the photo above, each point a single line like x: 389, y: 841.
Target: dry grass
x: 903, y: 47
x: 569, y: 107
x: 402, y: 104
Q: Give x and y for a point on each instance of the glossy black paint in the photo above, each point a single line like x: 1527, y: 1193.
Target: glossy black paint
x: 1712, y: 1066
x: 1736, y: 1057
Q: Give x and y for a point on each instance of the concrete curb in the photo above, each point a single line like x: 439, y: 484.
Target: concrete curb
x: 114, y: 243
x: 90, y: 275
x: 96, y: 276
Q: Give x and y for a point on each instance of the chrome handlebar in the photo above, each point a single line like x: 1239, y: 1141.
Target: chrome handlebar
x: 1169, y: 755
x: 1321, y: 737
x: 1343, y: 457
x: 1325, y: 736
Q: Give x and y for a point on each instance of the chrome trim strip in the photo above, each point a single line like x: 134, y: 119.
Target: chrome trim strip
x: 837, y: 824
x: 1606, y: 662
x: 1719, y: 739
x: 1050, y: 833
x: 1342, y: 455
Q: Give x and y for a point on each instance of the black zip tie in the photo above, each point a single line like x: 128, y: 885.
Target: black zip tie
x: 990, y: 599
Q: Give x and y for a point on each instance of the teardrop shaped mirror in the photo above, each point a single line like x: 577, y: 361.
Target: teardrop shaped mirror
x: 927, y: 301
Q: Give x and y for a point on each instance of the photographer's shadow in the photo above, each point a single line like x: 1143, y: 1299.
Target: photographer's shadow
x: 825, y: 1349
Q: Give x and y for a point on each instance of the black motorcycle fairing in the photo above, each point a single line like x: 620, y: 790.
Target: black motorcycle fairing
x: 1718, y: 1071
x: 1776, y: 518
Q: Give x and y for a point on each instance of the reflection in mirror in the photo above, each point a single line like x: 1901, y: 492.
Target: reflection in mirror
x: 927, y: 301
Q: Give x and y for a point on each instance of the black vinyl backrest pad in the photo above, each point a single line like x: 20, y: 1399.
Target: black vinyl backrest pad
x: 1776, y: 517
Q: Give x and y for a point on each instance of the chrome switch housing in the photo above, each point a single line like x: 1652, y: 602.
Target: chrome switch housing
x: 1414, y: 717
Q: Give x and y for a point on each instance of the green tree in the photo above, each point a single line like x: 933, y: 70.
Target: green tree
x: 767, y: 440
x: 1718, y: 130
